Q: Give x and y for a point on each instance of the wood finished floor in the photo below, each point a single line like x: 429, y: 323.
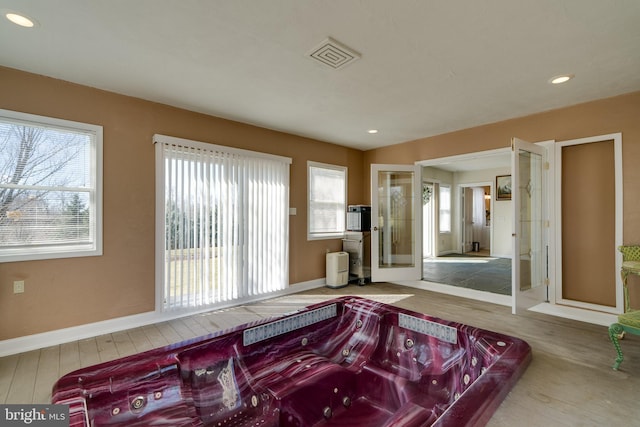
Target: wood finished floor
x: 569, y: 382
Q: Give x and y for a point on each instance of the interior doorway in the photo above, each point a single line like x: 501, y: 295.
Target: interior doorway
x: 453, y: 260
x: 465, y: 168
x: 475, y: 220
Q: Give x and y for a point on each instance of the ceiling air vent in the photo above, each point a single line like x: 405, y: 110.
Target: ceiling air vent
x: 333, y: 54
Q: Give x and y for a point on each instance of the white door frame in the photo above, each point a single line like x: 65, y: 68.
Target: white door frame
x: 556, y: 297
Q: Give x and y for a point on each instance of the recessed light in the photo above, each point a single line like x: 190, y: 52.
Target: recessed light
x: 21, y: 20
x: 560, y: 79
x: 373, y: 131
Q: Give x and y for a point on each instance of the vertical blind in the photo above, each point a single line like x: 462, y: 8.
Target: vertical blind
x: 225, y: 233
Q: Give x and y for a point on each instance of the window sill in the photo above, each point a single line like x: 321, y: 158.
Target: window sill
x: 50, y: 253
x: 332, y: 236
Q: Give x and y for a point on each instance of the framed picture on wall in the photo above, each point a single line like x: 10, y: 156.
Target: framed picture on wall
x: 503, y: 187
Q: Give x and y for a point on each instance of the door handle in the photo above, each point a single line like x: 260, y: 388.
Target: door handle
x: 375, y: 228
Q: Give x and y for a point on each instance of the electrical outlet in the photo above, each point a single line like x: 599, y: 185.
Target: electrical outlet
x: 18, y: 287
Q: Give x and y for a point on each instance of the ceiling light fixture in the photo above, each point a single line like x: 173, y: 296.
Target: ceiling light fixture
x: 560, y: 79
x: 372, y: 131
x: 21, y: 20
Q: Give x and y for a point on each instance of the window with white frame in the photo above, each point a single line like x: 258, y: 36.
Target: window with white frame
x: 50, y: 188
x: 445, y: 208
x: 327, y: 200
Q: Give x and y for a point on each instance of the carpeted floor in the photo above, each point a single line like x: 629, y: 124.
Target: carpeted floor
x: 467, y: 271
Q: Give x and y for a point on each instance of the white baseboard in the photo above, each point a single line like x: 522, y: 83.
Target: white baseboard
x: 90, y: 330
x: 573, y: 313
x: 498, y: 255
x: 447, y: 252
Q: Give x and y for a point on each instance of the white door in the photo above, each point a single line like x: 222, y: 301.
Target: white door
x: 528, y: 266
x: 467, y: 219
x: 428, y: 220
x: 396, y: 226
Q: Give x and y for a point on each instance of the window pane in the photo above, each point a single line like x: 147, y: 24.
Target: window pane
x: 48, y: 189
x: 445, y: 209
x: 45, y: 218
x: 327, y: 200
x: 38, y: 156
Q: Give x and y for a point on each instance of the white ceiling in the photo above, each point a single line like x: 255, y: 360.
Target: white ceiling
x: 427, y: 66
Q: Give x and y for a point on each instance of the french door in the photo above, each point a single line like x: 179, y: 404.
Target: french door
x: 396, y: 226
x: 529, y: 260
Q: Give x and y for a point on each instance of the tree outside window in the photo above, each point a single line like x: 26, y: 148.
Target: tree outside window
x: 48, y: 183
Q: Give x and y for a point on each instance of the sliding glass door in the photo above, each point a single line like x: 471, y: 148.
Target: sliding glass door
x: 222, y: 223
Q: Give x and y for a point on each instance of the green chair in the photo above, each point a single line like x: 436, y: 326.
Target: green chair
x: 629, y: 321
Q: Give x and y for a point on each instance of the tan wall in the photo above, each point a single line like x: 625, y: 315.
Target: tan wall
x: 611, y: 115
x: 588, y: 211
x: 68, y: 292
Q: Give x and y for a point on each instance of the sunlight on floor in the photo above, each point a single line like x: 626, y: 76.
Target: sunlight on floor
x: 459, y: 292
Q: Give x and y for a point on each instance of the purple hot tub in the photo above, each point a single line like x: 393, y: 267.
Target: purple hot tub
x: 346, y: 362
